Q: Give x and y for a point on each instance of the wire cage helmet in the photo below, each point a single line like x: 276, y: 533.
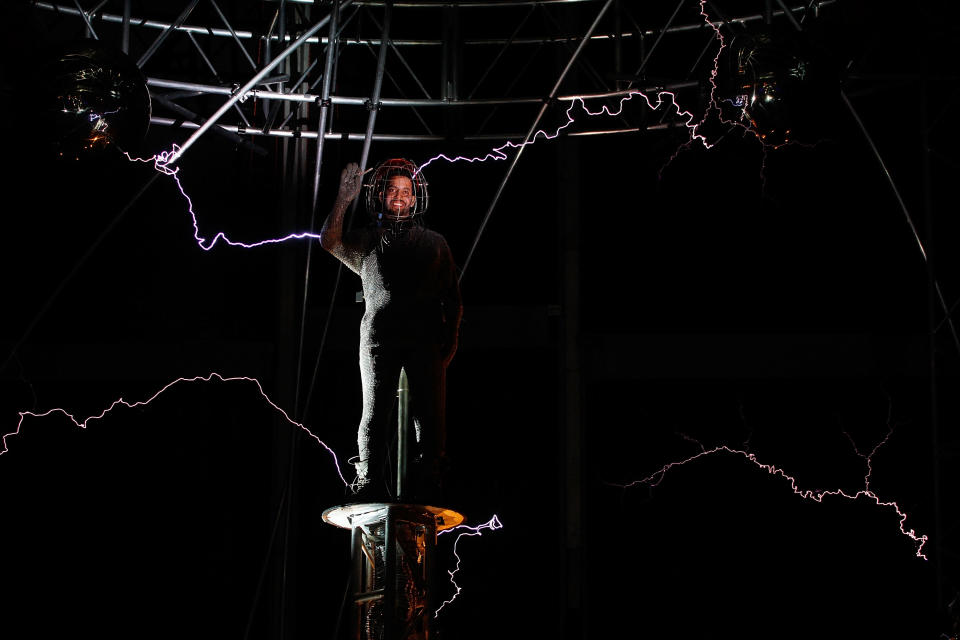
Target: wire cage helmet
x: 377, y: 190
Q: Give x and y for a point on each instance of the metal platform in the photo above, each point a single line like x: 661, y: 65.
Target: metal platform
x: 350, y: 516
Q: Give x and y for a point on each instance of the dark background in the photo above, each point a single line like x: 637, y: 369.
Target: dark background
x: 770, y: 300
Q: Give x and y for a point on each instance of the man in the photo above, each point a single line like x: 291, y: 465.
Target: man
x: 412, y: 314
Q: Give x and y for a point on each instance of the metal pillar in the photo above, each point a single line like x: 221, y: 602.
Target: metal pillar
x: 374, y: 105
x: 125, y: 34
x: 328, y: 72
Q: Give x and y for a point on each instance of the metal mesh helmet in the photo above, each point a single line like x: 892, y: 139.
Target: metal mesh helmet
x: 377, y: 187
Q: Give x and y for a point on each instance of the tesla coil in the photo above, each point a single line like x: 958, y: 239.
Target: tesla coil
x: 392, y: 547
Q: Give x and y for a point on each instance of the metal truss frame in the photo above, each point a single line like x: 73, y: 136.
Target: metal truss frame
x: 297, y: 83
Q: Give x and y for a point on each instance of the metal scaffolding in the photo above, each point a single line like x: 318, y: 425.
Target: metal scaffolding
x: 410, y: 63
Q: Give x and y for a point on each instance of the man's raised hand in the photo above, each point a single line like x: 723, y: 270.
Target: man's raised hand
x: 351, y: 182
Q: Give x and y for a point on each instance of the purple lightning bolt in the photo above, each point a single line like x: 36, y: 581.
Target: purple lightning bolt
x: 82, y: 424
x: 661, y: 98
x: 817, y: 495
x: 161, y: 162
x: 492, y: 524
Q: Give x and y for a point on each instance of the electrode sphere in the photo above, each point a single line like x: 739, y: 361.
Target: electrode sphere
x: 93, y: 97
x: 774, y: 83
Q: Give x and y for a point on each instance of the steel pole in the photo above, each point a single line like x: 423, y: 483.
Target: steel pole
x: 321, y: 126
x: 125, y: 33
x: 374, y: 105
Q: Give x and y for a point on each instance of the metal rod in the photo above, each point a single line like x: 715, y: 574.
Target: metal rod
x: 598, y: 79
x: 398, y: 102
x: 789, y: 14
x: 374, y: 104
x: 233, y: 34
x: 402, y: 60
x: 392, y: 137
x: 703, y: 52
x: 318, y: 165
x: 222, y: 131
x: 343, y: 25
x: 166, y: 33
x: 663, y: 32
x: 86, y: 19
x: 125, y: 32
x: 324, y: 107
x: 267, y: 59
x: 204, y: 57
x: 509, y: 89
x: 396, y: 85
x: 270, y: 110
x: 303, y: 76
x: 310, y: 135
x: 618, y: 43
x: 250, y: 84
x: 282, y: 17
x: 503, y: 50
x: 533, y: 128
x: 390, y: 538
x: 886, y: 172
x: 163, y: 83
x: 906, y: 213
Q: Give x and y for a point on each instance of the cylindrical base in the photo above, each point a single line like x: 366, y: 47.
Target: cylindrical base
x: 393, y: 549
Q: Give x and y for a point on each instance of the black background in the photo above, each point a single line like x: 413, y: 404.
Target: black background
x: 770, y: 300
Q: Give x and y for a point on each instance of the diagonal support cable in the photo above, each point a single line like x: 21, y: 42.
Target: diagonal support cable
x: 533, y: 128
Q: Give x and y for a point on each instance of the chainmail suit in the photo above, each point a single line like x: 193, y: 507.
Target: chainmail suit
x: 411, y: 320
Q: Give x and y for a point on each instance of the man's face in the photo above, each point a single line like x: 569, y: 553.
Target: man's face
x: 398, y: 197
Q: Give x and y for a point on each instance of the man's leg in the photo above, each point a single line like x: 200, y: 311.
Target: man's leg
x: 379, y: 373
